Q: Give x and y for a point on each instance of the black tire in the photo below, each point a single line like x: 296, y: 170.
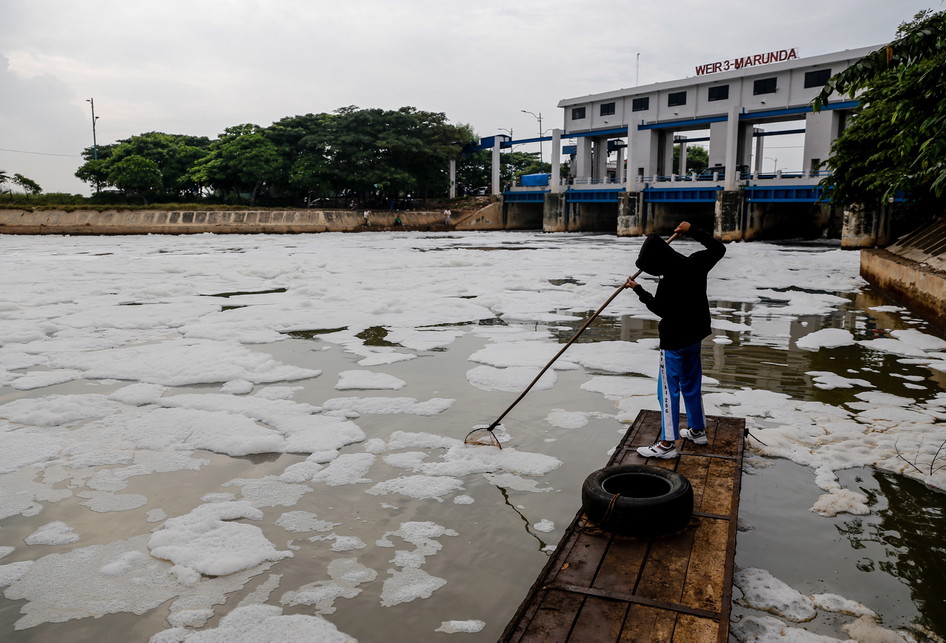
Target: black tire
x: 649, y: 501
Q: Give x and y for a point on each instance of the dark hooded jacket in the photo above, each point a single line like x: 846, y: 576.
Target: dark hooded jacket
x: 680, y: 301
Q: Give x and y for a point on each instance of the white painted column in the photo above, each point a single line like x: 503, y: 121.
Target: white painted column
x: 601, y: 159
x: 759, y: 150
x: 619, y: 167
x: 732, y: 148
x: 497, y: 143
x: 583, y: 158
x: 682, y: 169
x: 555, y: 181
x: 666, y: 153
x: 453, y: 178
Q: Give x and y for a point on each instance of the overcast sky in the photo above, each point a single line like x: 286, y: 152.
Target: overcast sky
x: 199, y: 66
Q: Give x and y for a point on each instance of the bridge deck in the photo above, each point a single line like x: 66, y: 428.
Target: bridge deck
x: 678, y: 587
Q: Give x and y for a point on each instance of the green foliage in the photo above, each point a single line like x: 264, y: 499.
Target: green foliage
x: 135, y: 174
x: 352, y: 152
x: 29, y: 185
x: 896, y: 142
x: 474, y: 170
x: 697, y: 159
x: 241, y: 161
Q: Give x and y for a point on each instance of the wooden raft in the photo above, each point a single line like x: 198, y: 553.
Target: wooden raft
x: 677, y: 587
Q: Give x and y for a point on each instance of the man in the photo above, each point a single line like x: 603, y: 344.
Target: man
x: 683, y: 308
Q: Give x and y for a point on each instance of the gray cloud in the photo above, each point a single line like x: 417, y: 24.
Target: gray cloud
x: 197, y: 67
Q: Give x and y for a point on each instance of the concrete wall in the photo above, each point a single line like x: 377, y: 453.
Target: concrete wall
x: 791, y: 221
x: 523, y: 216
x: 489, y: 217
x: 907, y: 282
x: 228, y: 221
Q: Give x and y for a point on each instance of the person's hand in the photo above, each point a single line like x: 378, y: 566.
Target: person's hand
x: 630, y: 283
x: 683, y: 228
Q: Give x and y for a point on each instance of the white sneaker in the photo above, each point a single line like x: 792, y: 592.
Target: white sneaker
x: 697, y: 436
x: 657, y: 450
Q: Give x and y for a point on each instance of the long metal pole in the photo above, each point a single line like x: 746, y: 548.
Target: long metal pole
x: 95, y: 145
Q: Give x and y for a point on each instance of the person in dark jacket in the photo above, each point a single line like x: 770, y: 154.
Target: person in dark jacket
x: 683, y: 308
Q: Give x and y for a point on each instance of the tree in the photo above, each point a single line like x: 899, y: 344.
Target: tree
x: 29, y: 185
x: 173, y: 154
x: 241, y: 160
x: 697, y: 159
x: 896, y: 141
x: 135, y: 175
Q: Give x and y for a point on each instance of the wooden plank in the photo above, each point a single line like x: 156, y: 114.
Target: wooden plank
x: 600, y: 620
x: 693, y: 629
x: 703, y: 586
x: 664, y: 571
x: 554, y: 618
x: 717, y: 496
x: 673, y: 588
x: 622, y: 563
x: 647, y: 624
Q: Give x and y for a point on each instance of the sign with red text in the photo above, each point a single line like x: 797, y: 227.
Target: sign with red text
x: 748, y: 61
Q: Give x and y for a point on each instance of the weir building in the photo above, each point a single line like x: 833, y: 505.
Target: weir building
x: 620, y: 146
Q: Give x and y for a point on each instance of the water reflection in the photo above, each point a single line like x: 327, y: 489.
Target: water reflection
x: 905, y: 526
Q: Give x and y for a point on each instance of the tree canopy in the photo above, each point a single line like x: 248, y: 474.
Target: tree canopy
x: 385, y: 154
x: 895, y: 144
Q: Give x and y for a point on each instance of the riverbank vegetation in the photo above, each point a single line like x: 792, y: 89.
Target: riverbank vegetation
x: 894, y: 148
x: 392, y: 159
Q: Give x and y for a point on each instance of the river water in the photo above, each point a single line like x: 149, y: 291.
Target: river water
x: 412, y: 340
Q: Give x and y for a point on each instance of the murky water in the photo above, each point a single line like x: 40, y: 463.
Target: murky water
x: 891, y: 560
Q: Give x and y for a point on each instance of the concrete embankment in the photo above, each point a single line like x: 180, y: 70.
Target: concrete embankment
x: 117, y: 221
x: 912, y: 272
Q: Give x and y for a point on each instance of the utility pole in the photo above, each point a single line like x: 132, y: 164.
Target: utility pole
x: 95, y: 145
x: 538, y: 117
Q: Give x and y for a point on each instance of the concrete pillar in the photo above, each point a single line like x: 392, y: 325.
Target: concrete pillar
x: 732, y: 149
x: 601, y: 159
x: 630, y: 215
x: 555, y: 181
x: 554, y: 213
x: 821, y: 129
x: 728, y: 221
x: 665, y: 153
x: 642, y: 156
x: 717, y: 143
x: 682, y: 169
x: 453, y: 178
x: 583, y: 158
x: 496, y: 165
x: 759, y: 149
x: 865, y: 227
x: 619, y: 167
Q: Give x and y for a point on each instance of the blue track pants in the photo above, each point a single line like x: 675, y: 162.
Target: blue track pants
x: 681, y: 373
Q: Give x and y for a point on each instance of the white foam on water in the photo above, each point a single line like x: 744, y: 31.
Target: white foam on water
x: 209, y: 542
x: 53, y: 533
x: 461, y: 627
x: 368, y: 380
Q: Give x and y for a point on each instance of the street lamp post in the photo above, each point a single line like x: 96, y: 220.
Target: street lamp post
x: 95, y: 145
x: 774, y: 163
x: 537, y: 117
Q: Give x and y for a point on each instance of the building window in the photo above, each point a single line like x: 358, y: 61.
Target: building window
x: 676, y: 99
x: 817, y: 78
x: 607, y: 109
x: 640, y: 104
x: 765, y: 86
x: 720, y: 92
x: 578, y: 113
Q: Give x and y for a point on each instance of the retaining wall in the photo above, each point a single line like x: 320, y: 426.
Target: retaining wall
x: 911, y: 272
x: 195, y: 222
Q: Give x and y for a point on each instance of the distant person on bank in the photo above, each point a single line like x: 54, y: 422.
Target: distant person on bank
x: 682, y: 305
